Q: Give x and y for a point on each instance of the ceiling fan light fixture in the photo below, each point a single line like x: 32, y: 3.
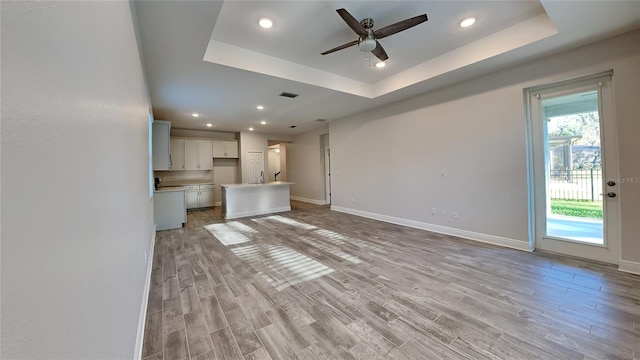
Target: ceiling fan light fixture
x: 265, y: 23
x: 367, y: 45
x: 467, y: 22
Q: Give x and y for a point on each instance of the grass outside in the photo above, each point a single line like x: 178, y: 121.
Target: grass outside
x: 578, y: 208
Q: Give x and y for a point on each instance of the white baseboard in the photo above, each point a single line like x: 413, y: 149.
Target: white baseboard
x: 631, y: 267
x: 485, y: 238
x: 310, y: 201
x: 240, y: 214
x: 145, y: 299
x: 217, y: 203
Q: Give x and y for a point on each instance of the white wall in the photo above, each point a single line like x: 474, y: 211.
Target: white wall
x: 305, y: 165
x: 252, y: 141
x: 76, y: 214
x: 389, y: 161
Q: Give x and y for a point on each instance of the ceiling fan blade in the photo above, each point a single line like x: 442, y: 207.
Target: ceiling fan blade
x: 343, y: 46
x: 379, y: 52
x: 352, y: 22
x: 399, y: 26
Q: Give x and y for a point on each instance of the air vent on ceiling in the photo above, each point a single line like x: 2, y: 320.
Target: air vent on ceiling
x: 321, y: 120
x: 289, y: 95
x: 292, y: 126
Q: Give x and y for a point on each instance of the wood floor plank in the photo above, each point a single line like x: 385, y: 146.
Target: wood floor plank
x: 225, y: 346
x: 213, y: 315
x: 260, y: 354
x: 175, y: 345
x: 170, y: 287
x: 243, y: 331
x: 173, y: 317
x: 152, y: 342
x: 315, y: 284
x: 197, y: 333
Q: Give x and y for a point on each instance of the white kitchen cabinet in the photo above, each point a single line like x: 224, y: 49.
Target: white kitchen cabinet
x: 199, y: 196
x: 177, y: 154
x: 206, y: 195
x: 225, y: 149
x: 198, y: 155
x: 160, y: 131
x: 169, y: 211
x: 193, y: 193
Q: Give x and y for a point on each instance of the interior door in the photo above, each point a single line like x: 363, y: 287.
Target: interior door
x: 255, y: 167
x: 574, y: 169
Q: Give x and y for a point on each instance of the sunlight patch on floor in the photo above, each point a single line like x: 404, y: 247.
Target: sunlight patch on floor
x: 292, y: 266
x: 288, y: 221
x: 330, y: 248
x: 341, y: 240
x: 231, y: 233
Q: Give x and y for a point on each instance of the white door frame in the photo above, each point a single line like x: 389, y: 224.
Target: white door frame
x: 536, y: 172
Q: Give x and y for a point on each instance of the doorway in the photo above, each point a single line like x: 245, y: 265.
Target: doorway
x: 573, y: 168
x: 327, y: 175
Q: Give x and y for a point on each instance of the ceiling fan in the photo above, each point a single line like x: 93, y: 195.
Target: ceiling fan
x: 368, y: 38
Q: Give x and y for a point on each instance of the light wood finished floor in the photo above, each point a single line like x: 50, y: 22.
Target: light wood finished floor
x: 317, y: 284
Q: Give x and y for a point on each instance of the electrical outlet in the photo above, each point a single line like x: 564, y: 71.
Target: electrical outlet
x: 146, y: 257
x: 444, y: 213
x: 434, y: 211
x: 456, y: 215
x: 353, y: 199
x: 443, y: 174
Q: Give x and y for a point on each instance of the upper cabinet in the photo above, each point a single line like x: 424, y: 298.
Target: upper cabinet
x: 177, y: 154
x: 198, y: 155
x: 225, y: 149
x: 160, y: 131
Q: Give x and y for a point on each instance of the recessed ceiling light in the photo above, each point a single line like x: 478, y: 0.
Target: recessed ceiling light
x: 260, y: 107
x: 467, y: 22
x: 250, y: 129
x: 195, y: 115
x: 265, y: 23
x: 263, y: 122
x: 209, y: 125
x: 381, y: 64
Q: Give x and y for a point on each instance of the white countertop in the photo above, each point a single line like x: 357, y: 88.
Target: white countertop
x: 273, y: 183
x: 171, y: 188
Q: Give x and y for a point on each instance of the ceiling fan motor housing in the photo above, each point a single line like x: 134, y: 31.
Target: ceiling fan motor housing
x: 367, y: 44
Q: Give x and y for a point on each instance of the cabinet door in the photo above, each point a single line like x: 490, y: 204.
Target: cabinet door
x: 160, y: 144
x: 231, y: 149
x: 205, y: 156
x: 177, y: 154
x: 218, y: 149
x: 191, y: 155
x: 206, y: 197
x: 192, y: 197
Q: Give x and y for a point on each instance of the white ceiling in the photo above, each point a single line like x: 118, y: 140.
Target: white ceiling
x: 212, y: 58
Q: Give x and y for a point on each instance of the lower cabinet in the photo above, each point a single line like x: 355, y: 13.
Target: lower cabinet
x: 199, y: 196
x: 169, y: 210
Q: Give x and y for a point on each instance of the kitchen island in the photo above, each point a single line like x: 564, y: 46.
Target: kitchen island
x: 241, y: 200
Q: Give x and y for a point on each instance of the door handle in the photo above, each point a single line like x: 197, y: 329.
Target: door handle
x: 611, y: 194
